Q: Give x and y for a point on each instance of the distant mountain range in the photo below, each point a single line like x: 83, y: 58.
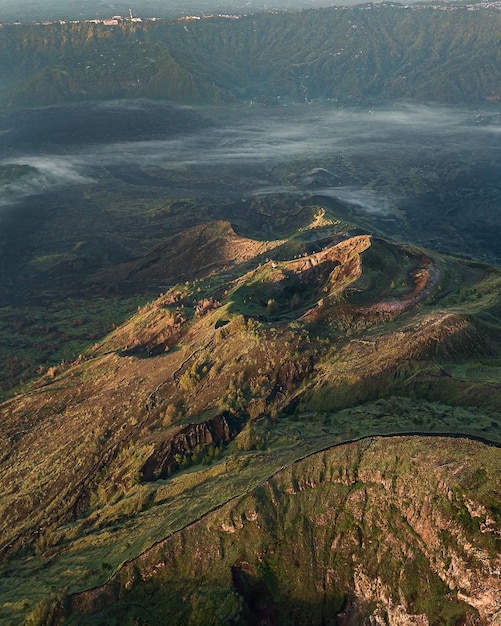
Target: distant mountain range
x: 351, y: 56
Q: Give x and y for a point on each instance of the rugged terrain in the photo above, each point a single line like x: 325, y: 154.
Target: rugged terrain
x: 251, y: 355
x: 360, y: 55
x: 371, y: 532
x: 201, y: 407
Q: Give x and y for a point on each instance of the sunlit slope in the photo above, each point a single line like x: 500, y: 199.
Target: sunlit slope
x: 227, y: 378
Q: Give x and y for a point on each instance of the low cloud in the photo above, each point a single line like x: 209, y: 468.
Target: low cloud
x: 365, y: 199
x: 51, y: 172
x: 265, y: 137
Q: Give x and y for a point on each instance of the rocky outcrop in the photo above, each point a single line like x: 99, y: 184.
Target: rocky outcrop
x: 170, y: 450
x: 381, y: 532
x: 334, y: 264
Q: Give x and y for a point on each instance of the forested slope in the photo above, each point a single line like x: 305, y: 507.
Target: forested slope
x: 361, y: 55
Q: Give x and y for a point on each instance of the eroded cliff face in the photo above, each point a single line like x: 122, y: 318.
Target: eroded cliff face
x: 333, y: 268
x: 169, y: 450
x: 386, y: 531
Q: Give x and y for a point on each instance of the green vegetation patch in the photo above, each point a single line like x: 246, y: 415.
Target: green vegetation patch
x: 11, y: 172
x: 46, y: 337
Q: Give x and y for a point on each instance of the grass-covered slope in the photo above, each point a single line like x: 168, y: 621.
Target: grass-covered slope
x: 394, y: 529
x: 274, y: 351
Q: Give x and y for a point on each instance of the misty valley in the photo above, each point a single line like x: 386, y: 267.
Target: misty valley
x: 93, y: 186
x: 424, y: 174
x: 250, y: 298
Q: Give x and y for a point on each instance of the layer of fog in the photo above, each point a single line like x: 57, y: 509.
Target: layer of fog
x: 244, y: 139
x: 52, y: 173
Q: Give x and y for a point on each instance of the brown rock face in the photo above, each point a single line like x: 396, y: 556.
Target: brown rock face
x: 371, y: 533
x: 334, y: 265
x: 170, y: 450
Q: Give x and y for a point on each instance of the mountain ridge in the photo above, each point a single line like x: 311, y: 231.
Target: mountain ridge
x: 154, y: 562
x: 218, y: 384
x: 274, y: 58
x: 231, y: 397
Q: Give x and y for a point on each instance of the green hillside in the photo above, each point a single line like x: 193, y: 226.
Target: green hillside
x: 130, y: 471
x: 361, y: 55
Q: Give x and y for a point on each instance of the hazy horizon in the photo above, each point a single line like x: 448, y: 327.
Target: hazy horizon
x: 32, y: 10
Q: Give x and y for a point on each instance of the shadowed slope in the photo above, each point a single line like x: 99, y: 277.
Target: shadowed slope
x: 217, y: 384
x: 400, y: 530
